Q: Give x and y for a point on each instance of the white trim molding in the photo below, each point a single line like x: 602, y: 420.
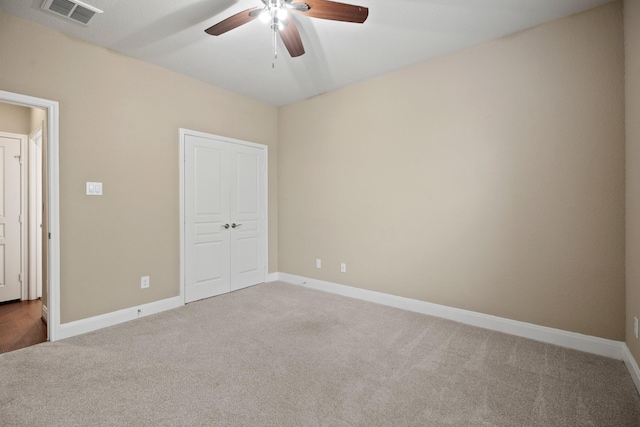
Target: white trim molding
x: 272, y: 277
x: 45, y: 314
x: 632, y: 366
x: 586, y: 343
x: 90, y: 324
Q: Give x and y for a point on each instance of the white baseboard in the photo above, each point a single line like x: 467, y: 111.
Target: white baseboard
x: 90, y: 324
x: 631, y: 364
x: 600, y: 346
x: 586, y: 343
x: 45, y: 314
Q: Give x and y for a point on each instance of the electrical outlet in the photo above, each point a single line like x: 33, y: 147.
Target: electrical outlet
x: 144, y: 282
x: 318, y: 263
x: 635, y: 327
x: 343, y: 268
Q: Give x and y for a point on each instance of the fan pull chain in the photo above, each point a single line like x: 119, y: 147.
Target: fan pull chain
x: 275, y: 44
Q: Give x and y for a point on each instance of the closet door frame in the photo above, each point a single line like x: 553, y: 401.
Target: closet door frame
x: 183, y: 134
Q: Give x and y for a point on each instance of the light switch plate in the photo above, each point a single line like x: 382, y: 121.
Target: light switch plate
x: 94, y: 189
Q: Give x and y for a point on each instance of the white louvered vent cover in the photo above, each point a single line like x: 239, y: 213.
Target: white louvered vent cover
x: 74, y: 10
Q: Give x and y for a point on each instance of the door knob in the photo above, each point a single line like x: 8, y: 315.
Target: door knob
x: 234, y: 225
x: 225, y: 226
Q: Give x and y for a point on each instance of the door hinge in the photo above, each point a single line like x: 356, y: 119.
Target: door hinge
x: 49, y: 236
x: 20, y: 219
x: 20, y: 277
x: 19, y: 158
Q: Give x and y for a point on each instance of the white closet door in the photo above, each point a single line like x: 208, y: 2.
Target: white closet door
x: 247, y: 216
x: 206, y: 218
x: 225, y: 216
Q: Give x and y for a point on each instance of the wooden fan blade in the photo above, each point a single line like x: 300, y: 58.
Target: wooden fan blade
x: 291, y: 39
x: 325, y: 9
x: 233, y: 22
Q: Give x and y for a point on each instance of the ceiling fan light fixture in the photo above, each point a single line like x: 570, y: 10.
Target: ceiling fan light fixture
x: 283, y: 25
x: 282, y: 14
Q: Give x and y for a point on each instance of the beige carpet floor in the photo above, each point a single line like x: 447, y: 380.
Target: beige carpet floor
x: 282, y: 355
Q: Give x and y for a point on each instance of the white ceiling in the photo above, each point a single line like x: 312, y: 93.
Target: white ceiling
x: 398, y: 33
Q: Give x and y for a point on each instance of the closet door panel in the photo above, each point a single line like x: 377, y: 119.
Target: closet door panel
x: 248, y: 214
x: 206, y: 218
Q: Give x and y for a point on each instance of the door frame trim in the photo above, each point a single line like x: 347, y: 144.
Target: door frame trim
x: 53, y: 203
x: 181, y: 159
x: 32, y: 185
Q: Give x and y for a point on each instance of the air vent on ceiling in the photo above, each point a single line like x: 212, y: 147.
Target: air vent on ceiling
x: 74, y: 10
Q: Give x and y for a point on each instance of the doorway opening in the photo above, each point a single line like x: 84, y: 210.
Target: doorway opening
x: 39, y: 260
x: 23, y: 310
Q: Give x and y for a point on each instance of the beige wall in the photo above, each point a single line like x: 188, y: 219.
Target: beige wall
x: 119, y: 121
x: 15, y: 119
x: 491, y: 179
x: 632, y: 51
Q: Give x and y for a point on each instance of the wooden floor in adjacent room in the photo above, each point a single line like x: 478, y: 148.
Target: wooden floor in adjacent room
x: 21, y: 325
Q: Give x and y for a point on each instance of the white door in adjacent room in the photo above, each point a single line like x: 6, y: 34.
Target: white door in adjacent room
x: 10, y: 221
x: 225, y: 220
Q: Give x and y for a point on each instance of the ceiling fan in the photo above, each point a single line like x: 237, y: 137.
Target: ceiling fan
x: 277, y: 13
